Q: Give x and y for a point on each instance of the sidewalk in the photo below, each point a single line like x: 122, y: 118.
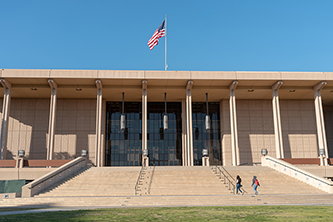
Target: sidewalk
x: 78, y: 203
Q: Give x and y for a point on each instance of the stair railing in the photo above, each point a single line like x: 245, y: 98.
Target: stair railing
x: 138, y: 180
x: 151, y: 178
x: 232, y: 177
x: 225, y: 178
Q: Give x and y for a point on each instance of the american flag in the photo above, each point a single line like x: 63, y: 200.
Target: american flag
x: 159, y: 33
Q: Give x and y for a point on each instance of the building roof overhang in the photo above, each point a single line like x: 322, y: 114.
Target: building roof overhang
x: 80, y: 84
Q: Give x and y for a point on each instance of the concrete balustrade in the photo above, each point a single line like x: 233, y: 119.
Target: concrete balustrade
x: 54, y: 177
x: 297, y: 173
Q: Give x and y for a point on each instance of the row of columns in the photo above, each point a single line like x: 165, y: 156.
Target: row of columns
x: 187, y: 134
x: 321, y: 134
x: 52, y: 120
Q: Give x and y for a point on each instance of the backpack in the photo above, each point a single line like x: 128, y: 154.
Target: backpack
x: 256, y: 182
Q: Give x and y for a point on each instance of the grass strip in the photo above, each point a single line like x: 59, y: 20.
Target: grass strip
x: 225, y: 213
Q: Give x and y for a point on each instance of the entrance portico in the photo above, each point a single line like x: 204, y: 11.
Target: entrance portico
x: 287, y: 121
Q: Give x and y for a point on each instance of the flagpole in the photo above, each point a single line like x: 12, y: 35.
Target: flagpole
x: 166, y: 65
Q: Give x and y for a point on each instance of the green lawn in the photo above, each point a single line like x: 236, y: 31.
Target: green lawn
x: 235, y: 213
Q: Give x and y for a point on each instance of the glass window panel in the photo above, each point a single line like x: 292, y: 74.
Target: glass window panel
x: 130, y: 149
x: 202, y: 138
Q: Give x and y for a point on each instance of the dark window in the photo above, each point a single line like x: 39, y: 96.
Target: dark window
x: 164, y: 146
x: 123, y: 147
x: 208, y: 139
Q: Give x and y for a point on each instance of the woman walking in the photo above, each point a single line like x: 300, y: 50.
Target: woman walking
x: 238, y: 185
x: 255, y: 184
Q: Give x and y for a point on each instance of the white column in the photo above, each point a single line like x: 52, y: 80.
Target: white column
x: 189, y: 137
x: 5, y: 117
x: 277, y: 120
x: 52, y: 116
x: 233, y: 124
x: 184, y: 150
x: 222, y: 148
x: 321, y: 133
x: 98, y: 147
x: 103, y: 133
x: 144, y: 115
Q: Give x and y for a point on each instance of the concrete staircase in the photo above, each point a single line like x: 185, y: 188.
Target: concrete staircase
x: 172, y: 186
x: 176, y: 180
x: 271, y: 181
x: 98, y: 181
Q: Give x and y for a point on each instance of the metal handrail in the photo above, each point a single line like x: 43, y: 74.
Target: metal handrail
x: 151, y: 178
x: 232, y: 177
x: 230, y: 182
x: 137, y: 181
x: 227, y: 172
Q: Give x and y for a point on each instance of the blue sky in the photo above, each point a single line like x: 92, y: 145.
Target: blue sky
x: 221, y: 35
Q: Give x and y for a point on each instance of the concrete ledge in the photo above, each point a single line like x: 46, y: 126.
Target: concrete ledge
x: 23, y: 173
x: 25, y: 73
x: 297, y: 173
x: 9, y: 195
x: 44, y: 163
x: 7, y: 163
x: 149, y: 74
x: 302, y: 161
x: 53, y: 177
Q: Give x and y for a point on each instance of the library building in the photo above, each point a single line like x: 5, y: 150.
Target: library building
x: 165, y: 118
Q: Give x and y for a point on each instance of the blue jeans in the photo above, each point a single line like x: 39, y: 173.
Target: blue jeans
x: 255, y: 189
x: 238, y: 186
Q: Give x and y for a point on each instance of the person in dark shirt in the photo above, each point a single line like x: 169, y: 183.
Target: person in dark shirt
x: 238, y: 185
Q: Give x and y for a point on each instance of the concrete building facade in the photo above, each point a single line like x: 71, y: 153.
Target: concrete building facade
x: 55, y: 114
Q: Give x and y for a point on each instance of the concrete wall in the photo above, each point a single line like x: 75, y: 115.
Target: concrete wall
x: 27, y: 128
x: 299, y: 129
x: 23, y: 173
x: 75, y: 128
x: 256, y: 129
